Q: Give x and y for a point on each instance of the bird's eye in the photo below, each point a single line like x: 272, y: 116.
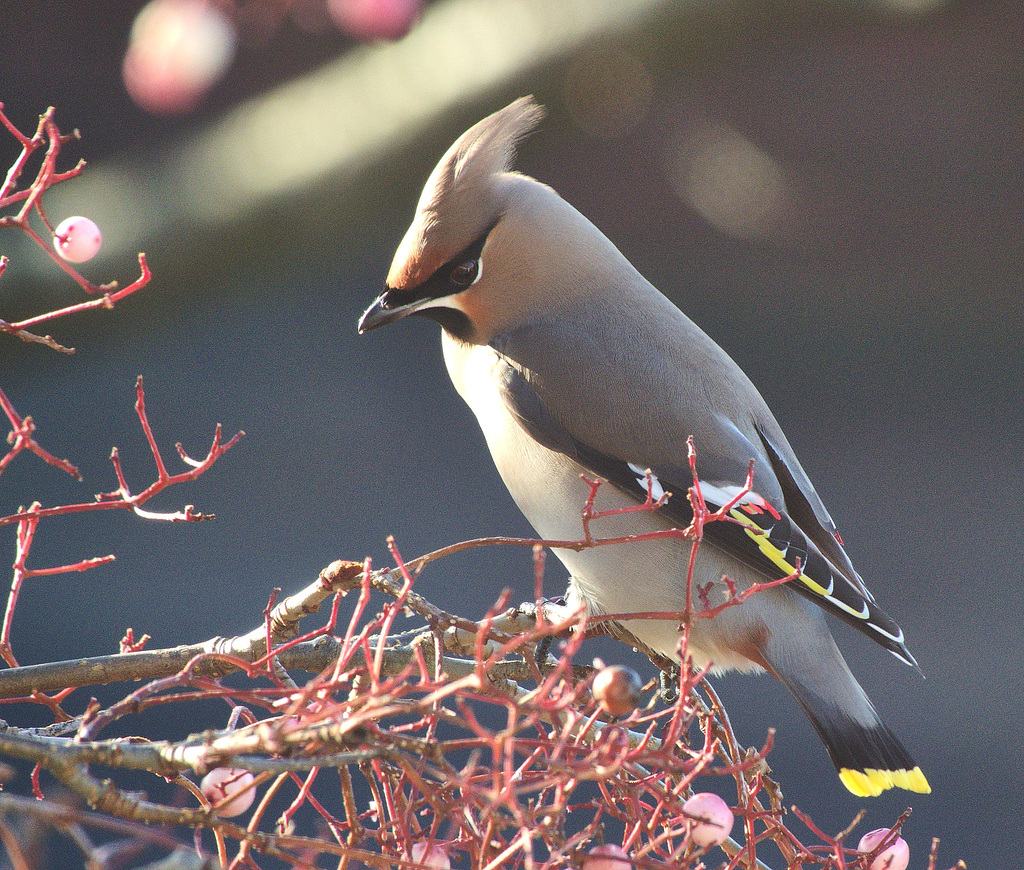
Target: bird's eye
x: 465, y: 273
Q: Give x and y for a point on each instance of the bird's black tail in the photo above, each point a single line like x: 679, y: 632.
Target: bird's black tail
x: 868, y: 756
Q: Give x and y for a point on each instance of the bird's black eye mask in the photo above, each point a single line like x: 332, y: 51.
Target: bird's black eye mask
x: 459, y: 273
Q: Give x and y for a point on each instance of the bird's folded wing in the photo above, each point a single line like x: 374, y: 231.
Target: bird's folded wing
x: 778, y: 528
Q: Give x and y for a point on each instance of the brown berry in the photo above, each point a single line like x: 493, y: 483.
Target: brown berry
x: 617, y: 689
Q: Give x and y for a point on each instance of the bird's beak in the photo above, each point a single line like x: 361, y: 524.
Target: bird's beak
x: 386, y: 309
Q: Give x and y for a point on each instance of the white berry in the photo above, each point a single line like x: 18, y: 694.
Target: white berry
x: 607, y: 857
x: 231, y: 785
x: 710, y: 819
x: 433, y: 855
x: 895, y: 856
x: 77, y: 239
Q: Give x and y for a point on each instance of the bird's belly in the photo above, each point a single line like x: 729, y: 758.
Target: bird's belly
x: 633, y: 577
x: 638, y: 576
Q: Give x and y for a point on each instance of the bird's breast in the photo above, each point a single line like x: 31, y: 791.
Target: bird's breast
x: 616, y: 578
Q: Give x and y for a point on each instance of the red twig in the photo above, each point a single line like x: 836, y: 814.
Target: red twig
x: 107, y: 300
x: 130, y: 644
x: 27, y: 520
x: 123, y: 499
x: 28, y: 200
x: 47, y: 134
x: 22, y: 437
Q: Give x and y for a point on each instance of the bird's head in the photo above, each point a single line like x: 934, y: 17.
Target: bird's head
x: 469, y: 260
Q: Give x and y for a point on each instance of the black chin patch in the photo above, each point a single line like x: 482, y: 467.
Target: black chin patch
x: 451, y: 321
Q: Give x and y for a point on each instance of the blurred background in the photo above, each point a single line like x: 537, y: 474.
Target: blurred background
x: 832, y: 190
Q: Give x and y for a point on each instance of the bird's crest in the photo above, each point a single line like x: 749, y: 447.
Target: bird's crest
x: 485, y: 149
x: 460, y: 199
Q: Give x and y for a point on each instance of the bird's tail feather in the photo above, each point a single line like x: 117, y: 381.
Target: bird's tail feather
x: 868, y: 756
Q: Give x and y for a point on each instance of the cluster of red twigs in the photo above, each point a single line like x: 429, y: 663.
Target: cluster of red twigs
x: 26, y: 520
x: 454, y: 740
x: 24, y: 202
x: 423, y: 747
x: 20, y: 205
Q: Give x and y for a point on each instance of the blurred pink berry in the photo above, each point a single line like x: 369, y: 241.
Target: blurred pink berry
x: 375, y: 19
x: 176, y: 51
x: 893, y: 857
x: 232, y: 785
x: 434, y: 855
x: 77, y: 239
x: 617, y: 689
x: 607, y: 857
x: 710, y: 819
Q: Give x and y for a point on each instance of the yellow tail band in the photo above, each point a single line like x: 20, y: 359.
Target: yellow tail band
x: 872, y: 782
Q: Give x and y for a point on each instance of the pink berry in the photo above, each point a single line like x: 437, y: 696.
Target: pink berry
x: 617, y: 689
x: 77, y: 239
x: 375, y: 19
x: 231, y: 785
x: 433, y: 855
x: 607, y: 857
x: 895, y: 856
x: 176, y: 51
x: 710, y: 819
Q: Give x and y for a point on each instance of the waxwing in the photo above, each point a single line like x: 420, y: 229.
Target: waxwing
x: 574, y: 364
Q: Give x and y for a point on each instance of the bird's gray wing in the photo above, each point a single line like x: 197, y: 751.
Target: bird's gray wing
x: 774, y: 528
